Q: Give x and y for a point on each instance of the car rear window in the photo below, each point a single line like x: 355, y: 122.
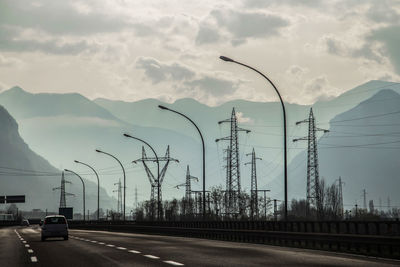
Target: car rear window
x: 55, y: 220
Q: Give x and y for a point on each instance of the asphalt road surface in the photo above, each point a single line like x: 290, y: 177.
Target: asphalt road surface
x: 21, y: 246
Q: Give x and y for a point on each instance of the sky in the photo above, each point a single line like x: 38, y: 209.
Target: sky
x: 131, y: 50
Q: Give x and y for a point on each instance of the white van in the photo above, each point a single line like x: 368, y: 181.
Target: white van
x: 55, y: 226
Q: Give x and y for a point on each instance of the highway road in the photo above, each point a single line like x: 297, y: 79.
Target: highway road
x: 21, y: 246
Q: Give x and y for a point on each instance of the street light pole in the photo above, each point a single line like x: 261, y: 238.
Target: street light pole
x: 84, y: 194
x: 158, y: 173
x: 98, y: 186
x: 204, y: 155
x: 123, y: 170
x: 284, y: 123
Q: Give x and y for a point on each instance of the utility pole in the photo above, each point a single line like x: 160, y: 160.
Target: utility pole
x: 313, y: 195
x: 365, y: 199
x: 234, y: 187
x: 136, y: 197
x: 253, y: 190
x: 156, y: 194
x: 356, y: 210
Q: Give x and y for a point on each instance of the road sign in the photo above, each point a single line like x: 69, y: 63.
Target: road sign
x: 15, y: 199
x: 2, y: 199
x: 67, y: 212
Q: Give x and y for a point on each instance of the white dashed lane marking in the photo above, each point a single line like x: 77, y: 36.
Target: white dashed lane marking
x: 27, y: 246
x: 174, y: 263
x: 30, y: 250
x: 151, y: 256
x: 34, y: 259
x: 131, y: 251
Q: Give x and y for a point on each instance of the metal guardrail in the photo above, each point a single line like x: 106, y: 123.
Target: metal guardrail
x: 387, y: 228
x: 367, y: 244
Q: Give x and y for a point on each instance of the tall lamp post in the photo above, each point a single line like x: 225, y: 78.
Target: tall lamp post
x: 123, y: 170
x: 84, y: 194
x: 158, y: 172
x: 284, y: 122
x: 204, y: 155
x: 98, y: 186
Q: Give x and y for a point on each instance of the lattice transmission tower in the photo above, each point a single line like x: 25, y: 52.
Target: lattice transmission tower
x: 188, y: 191
x: 63, y: 194
x: 254, y: 190
x: 155, y: 181
x: 119, y: 197
x: 233, y: 204
x: 313, y: 194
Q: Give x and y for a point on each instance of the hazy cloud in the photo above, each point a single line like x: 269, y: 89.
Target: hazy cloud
x: 213, y: 86
x: 239, y: 25
x: 249, y: 24
x: 207, y: 34
x: 383, y: 11
x: 390, y: 38
x: 158, y: 72
x: 57, y: 17
x: 266, y: 3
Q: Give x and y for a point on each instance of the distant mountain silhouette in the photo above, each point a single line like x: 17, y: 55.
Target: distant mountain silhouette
x: 46, y: 104
x: 81, y: 126
x: 23, y: 172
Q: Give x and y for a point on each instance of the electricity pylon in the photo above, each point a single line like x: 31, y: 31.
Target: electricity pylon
x: 313, y: 194
x: 254, y: 189
x: 119, y: 199
x: 234, y: 204
x: 188, y: 190
x: 63, y: 194
x: 153, y: 179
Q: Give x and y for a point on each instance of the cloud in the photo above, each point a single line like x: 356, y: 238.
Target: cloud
x: 9, y: 62
x: 266, y: 3
x: 319, y: 89
x: 207, y: 34
x: 9, y: 41
x: 335, y: 46
x: 213, y: 86
x: 242, y: 119
x: 158, y: 72
x: 239, y: 26
x: 390, y: 38
x: 57, y: 17
x: 383, y: 12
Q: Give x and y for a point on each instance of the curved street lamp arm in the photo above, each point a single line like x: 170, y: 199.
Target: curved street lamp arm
x: 123, y: 170
x: 84, y: 194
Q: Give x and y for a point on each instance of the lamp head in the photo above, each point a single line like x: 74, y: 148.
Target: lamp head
x: 162, y: 107
x: 126, y: 135
x: 66, y: 170
x: 97, y: 150
x: 226, y: 59
x: 76, y: 161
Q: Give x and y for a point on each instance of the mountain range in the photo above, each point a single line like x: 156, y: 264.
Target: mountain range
x: 71, y: 126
